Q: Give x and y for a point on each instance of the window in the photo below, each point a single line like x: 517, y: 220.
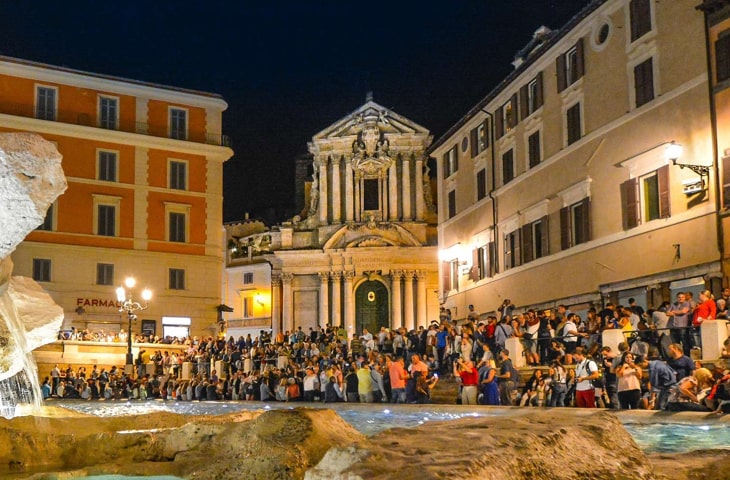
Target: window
x: 479, y: 139
x: 506, y: 117
x: 573, y: 124
x: 177, y: 227
x: 722, y: 56
x: 104, y: 274
x: 108, y: 113
x: 640, y: 17
x: 644, y: 82
x: 575, y: 224
x: 178, y: 124
x: 107, y: 166
x: 248, y: 278
x: 177, y: 279
x: 41, y: 270
x: 451, y: 162
x: 452, y: 203
x: 481, y: 184
x: 371, y: 199
x: 247, y: 304
x: 45, y: 107
x: 512, y: 254
x: 106, y: 220
x: 569, y: 66
x: 178, y: 175
x: 47, y: 224
x: 483, y: 262
x: 645, y: 198
x: 531, y: 96
x: 534, y: 240
x: 450, y: 275
x: 726, y: 182
x: 533, y: 149
x: 508, y: 167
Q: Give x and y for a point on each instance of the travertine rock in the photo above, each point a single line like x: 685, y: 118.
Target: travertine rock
x: 318, y: 445
x: 31, y: 179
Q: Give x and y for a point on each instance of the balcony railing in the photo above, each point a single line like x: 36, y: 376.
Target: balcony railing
x: 141, y: 128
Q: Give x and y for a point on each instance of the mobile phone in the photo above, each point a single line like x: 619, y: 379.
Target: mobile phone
x: 436, y: 375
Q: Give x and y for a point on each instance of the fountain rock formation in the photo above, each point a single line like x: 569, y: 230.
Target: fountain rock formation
x: 31, y: 179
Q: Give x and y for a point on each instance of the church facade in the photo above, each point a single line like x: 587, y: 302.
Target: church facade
x: 363, y: 252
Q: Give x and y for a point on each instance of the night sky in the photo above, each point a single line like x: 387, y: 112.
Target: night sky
x: 288, y: 69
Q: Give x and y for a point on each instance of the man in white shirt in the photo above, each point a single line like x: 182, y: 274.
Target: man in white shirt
x: 585, y: 372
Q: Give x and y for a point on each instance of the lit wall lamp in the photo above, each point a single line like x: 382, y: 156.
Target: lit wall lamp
x: 674, y: 151
x: 259, y: 299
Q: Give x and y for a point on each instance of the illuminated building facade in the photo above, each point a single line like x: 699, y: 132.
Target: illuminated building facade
x: 144, y: 167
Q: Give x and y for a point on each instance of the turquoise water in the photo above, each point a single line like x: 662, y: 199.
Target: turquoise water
x: 373, y: 419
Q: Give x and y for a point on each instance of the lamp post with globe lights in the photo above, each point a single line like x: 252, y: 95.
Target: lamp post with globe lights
x: 128, y: 305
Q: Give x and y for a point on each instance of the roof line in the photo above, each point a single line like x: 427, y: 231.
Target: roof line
x: 102, y: 76
x: 552, y: 40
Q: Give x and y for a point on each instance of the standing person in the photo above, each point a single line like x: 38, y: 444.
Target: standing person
x: 661, y: 379
x: 610, y: 382
x: 502, y: 333
x: 398, y: 377
x: 351, y: 385
x: 310, y: 384
x: 706, y: 310
x: 508, y: 378
x: 559, y: 385
x: 629, y: 382
x: 488, y: 384
x: 469, y: 381
x: 442, y: 338
x: 679, y: 321
x: 586, y: 371
x: 55, y: 378
x: 364, y: 383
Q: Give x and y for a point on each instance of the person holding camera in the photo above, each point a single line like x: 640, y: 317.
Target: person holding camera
x: 629, y: 382
x: 465, y: 370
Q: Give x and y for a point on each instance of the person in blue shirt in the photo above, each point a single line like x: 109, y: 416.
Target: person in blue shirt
x: 441, y: 340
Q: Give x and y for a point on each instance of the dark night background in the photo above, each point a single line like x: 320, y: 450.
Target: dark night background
x: 288, y: 69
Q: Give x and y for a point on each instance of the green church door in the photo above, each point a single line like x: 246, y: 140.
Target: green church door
x: 371, y: 307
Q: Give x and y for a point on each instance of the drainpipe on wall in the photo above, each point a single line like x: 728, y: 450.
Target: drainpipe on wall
x: 493, y: 187
x: 715, y: 152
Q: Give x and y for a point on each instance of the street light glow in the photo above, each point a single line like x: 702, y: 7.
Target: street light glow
x: 121, y: 294
x: 146, y: 294
x: 130, y: 282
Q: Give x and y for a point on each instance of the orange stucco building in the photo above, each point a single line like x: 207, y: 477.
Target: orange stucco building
x: 144, y: 165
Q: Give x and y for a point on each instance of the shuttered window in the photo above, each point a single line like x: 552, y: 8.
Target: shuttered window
x: 575, y: 224
x: 726, y: 182
x: 478, y: 139
x: 645, y: 198
x: 644, y: 82
x: 508, y: 167
x: 535, y: 240
x: 722, y: 56
x: 451, y: 162
x: 452, y: 203
x: 570, y: 66
x: 640, y: 13
x: 573, y: 124
x: 533, y: 149
x: 481, y: 184
x: 531, y: 96
x: 512, y: 250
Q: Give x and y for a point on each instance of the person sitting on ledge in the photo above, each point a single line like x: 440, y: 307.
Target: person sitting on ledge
x: 690, y: 392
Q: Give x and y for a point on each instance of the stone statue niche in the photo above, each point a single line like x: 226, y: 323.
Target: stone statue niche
x: 31, y: 178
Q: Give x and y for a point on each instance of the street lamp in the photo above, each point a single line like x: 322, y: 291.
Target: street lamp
x: 124, y: 296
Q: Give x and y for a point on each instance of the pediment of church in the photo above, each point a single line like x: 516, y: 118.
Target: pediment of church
x: 372, y: 234
x: 370, y: 115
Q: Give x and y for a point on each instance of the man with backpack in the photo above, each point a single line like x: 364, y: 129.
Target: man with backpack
x: 586, y: 371
x: 508, y: 378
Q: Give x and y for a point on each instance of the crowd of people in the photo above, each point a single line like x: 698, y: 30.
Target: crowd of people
x: 570, y: 367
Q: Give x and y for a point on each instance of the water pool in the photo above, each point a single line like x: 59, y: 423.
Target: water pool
x: 654, y: 436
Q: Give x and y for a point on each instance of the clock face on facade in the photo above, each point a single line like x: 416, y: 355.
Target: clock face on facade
x: 371, y: 296
x: 464, y: 144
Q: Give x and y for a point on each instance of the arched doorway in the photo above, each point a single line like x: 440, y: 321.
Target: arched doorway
x: 371, y: 307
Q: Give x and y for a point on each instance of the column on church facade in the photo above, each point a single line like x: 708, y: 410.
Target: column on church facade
x: 421, y: 298
x: 409, y: 321
x: 349, y: 304
x: 275, y: 305
x: 382, y: 196
x: 324, y: 309
x: 287, y: 305
x: 393, y: 190
x: 349, y: 193
x: 406, y: 190
x: 358, y: 207
x: 323, y: 194
x: 420, y: 204
x: 397, y: 314
x: 336, y: 300
x: 336, y: 202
